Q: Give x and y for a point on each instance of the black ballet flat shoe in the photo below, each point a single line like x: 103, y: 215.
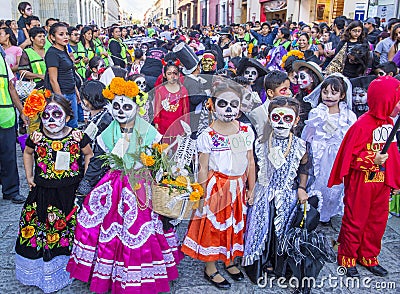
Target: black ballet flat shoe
x: 377, y: 270
x: 352, y: 272
x: 237, y: 277
x: 326, y: 224
x: 224, y: 285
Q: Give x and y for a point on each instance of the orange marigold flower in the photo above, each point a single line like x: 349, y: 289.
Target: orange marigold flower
x: 47, y: 93
x: 147, y: 160
x: 131, y: 89
x: 108, y: 94
x: 117, y: 86
x: 35, y: 103
x: 198, y: 187
x: 195, y: 196
x: 137, y: 186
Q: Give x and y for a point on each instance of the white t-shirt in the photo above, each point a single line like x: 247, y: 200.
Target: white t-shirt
x: 228, y: 154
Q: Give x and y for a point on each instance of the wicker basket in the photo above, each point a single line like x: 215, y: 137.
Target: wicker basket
x: 162, y: 197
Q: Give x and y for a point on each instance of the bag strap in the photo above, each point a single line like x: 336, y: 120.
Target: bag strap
x: 303, y: 221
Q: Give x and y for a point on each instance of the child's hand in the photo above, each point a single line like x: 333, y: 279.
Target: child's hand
x: 249, y: 197
x: 302, y: 195
x: 380, y: 158
x: 31, y: 182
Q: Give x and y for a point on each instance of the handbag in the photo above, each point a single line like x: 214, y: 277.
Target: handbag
x: 24, y: 88
x: 307, y: 216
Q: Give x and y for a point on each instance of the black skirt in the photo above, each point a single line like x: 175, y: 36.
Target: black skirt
x: 47, y: 224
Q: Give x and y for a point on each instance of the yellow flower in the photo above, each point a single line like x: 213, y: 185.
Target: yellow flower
x: 181, y: 181
x: 137, y: 186
x: 131, y: 89
x: 117, y: 86
x: 27, y: 232
x: 57, y: 172
x: 108, y: 94
x: 195, y: 196
x: 198, y: 187
x: 160, y: 147
x: 165, y: 182
x: 53, y: 238
x: 56, y: 145
x: 147, y: 160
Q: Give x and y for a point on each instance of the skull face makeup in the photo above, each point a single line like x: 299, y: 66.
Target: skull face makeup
x: 123, y: 109
x: 251, y: 74
x: 227, y: 106
x: 141, y: 82
x: 54, y: 118
x: 208, y: 62
x: 304, y: 79
x: 359, y: 96
x: 247, y: 103
x: 282, y: 120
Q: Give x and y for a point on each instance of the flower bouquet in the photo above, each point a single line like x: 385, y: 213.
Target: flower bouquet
x: 175, y: 194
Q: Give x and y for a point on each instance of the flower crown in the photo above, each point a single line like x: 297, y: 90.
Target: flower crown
x: 35, y: 103
x: 297, y: 53
x: 120, y: 87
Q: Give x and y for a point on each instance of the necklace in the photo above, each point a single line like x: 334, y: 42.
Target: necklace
x: 166, y: 104
x: 147, y: 199
x: 288, y: 147
x: 126, y: 130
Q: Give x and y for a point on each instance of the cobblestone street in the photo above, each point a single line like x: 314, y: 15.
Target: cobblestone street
x: 191, y: 271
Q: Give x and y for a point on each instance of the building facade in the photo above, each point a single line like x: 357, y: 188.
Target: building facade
x: 101, y: 12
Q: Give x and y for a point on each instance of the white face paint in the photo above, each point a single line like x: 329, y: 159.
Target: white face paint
x: 304, y: 80
x: 227, y: 106
x: 54, y: 118
x: 141, y: 82
x: 251, y: 74
x: 282, y: 120
x: 123, y: 109
x: 247, y: 103
x: 359, y: 96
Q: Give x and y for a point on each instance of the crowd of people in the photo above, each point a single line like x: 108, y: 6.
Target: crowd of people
x: 283, y: 115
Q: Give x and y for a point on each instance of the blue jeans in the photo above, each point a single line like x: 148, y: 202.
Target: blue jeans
x: 73, y: 122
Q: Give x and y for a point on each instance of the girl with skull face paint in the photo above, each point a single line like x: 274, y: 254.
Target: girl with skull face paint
x: 140, y: 80
x: 226, y: 164
x: 94, y: 103
x: 284, y: 167
x: 97, y: 66
x: 48, y: 221
x: 135, y: 241
x: 171, y: 103
x: 325, y: 129
x: 309, y: 76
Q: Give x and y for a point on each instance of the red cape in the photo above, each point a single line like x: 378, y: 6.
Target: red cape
x: 381, y: 104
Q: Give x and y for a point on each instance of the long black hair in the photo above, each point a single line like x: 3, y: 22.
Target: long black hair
x: 12, y: 38
x: 92, y: 92
x: 82, y: 39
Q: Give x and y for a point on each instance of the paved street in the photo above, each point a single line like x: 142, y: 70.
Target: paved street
x: 191, y: 272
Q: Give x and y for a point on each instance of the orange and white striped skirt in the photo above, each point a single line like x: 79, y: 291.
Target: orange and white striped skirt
x: 216, y: 231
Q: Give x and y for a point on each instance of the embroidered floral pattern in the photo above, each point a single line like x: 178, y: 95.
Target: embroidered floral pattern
x: 46, y: 150
x: 221, y: 142
x: 55, y: 232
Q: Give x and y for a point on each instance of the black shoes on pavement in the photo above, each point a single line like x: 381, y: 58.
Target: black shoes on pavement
x: 224, y: 285
x: 352, y: 272
x: 238, y: 276
x: 17, y: 199
x: 377, y: 270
